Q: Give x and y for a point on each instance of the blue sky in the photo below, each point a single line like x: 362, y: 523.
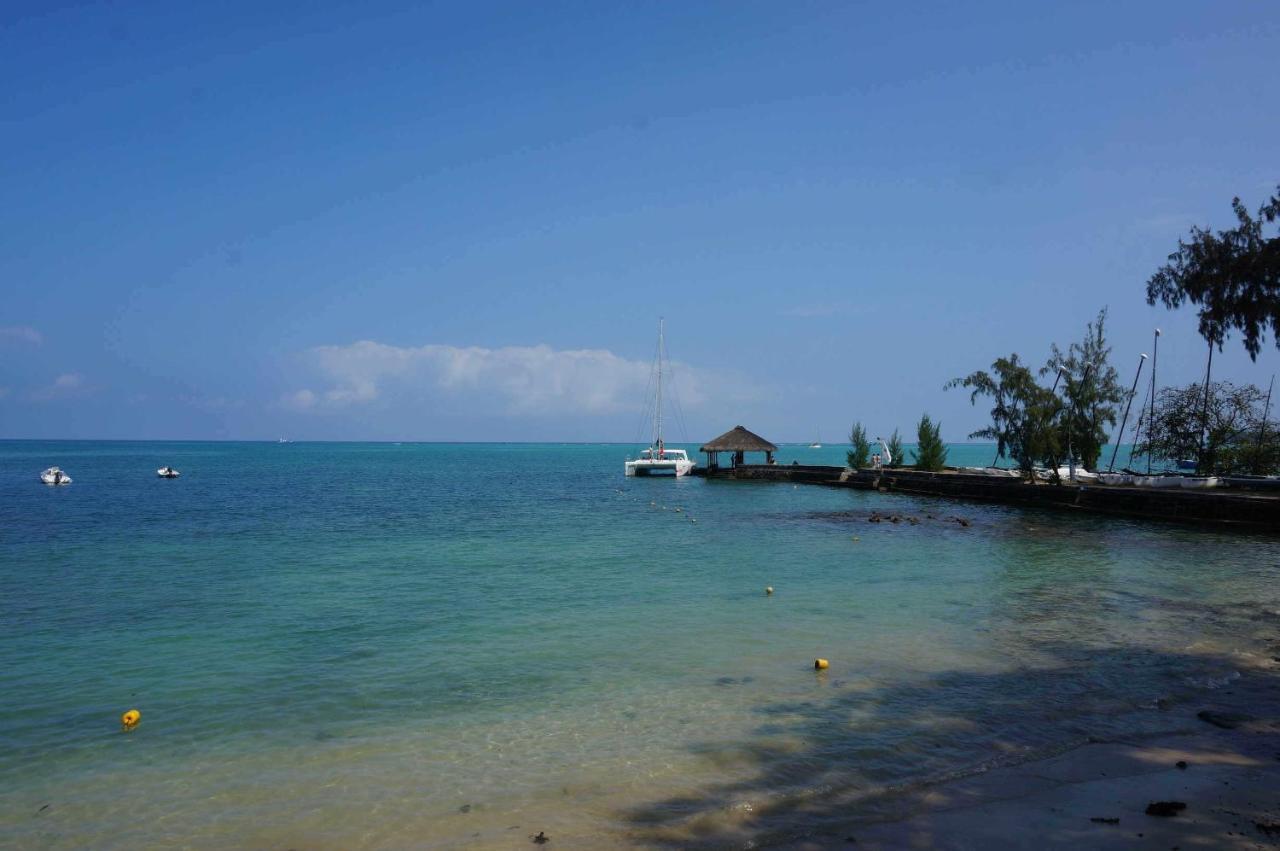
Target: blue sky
x: 462, y: 221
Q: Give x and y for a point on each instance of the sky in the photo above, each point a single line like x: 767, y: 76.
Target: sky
x: 386, y: 221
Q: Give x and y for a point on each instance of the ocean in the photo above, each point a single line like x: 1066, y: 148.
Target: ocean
x: 463, y: 645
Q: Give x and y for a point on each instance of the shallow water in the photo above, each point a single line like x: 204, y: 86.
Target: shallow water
x: 380, y: 645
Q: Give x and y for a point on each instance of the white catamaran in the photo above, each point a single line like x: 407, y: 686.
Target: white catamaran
x: 658, y: 459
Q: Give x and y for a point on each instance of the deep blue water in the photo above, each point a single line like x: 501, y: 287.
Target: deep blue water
x: 345, y: 645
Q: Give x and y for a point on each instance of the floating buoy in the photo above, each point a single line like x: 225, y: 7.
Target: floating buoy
x: 821, y: 664
x: 768, y: 590
x: 130, y: 719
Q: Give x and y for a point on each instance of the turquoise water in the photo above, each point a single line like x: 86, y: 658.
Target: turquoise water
x: 384, y: 645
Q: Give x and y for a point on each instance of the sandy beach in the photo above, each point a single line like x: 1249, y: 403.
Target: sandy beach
x: 1227, y: 773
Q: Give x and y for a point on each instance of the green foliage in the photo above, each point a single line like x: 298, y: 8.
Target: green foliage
x: 1032, y: 424
x: 1233, y: 276
x: 1020, y: 412
x: 860, y: 454
x: 930, y: 453
x: 895, y: 449
x: 1237, y: 440
x: 1091, y: 387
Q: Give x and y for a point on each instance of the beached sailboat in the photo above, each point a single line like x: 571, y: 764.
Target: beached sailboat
x: 657, y: 459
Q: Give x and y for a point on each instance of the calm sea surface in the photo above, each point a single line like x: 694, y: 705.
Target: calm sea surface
x: 385, y: 645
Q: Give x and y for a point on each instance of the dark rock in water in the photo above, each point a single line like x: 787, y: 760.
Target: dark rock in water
x: 541, y: 838
x: 726, y: 681
x: 962, y: 522
x: 1165, y: 808
x: 1267, y: 828
x: 1182, y: 763
x: 1103, y: 820
x: 1225, y: 720
x: 465, y: 808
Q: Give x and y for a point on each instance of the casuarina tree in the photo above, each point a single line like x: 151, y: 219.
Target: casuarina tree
x: 1092, y: 391
x: 1232, y: 275
x: 931, y: 452
x: 861, y: 452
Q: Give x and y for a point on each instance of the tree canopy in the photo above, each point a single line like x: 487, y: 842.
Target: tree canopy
x: 1233, y: 276
x: 1237, y: 441
x: 861, y: 452
x: 930, y: 453
x: 1020, y: 411
x: 1092, y: 389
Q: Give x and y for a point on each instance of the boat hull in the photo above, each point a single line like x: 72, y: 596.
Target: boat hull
x: 646, y: 467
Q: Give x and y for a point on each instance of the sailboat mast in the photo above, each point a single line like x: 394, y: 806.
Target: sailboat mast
x: 657, y: 415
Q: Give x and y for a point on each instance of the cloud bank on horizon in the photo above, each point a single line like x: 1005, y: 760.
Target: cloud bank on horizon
x: 517, y: 381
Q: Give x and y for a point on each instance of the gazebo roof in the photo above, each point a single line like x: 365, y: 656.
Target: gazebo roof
x: 738, y: 439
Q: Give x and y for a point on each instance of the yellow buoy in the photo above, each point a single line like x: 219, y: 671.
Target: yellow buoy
x: 768, y: 589
x: 820, y: 664
x: 130, y: 719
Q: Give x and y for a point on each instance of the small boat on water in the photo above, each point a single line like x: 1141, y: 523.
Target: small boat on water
x: 54, y: 476
x: 167, y: 473
x: 657, y: 459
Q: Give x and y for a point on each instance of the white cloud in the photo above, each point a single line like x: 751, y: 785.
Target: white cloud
x: 67, y: 384
x: 525, y: 380
x: 299, y: 401
x: 22, y: 334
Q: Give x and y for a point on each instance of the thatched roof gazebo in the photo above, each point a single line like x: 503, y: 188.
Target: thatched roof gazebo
x: 738, y: 441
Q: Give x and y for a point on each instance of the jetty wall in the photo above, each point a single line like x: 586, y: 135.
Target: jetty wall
x: 1219, y: 507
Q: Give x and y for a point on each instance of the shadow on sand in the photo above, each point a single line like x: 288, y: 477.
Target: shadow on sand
x: 815, y: 771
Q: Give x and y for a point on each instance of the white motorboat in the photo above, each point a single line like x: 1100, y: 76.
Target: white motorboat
x: 167, y: 473
x: 54, y: 476
x: 657, y: 459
